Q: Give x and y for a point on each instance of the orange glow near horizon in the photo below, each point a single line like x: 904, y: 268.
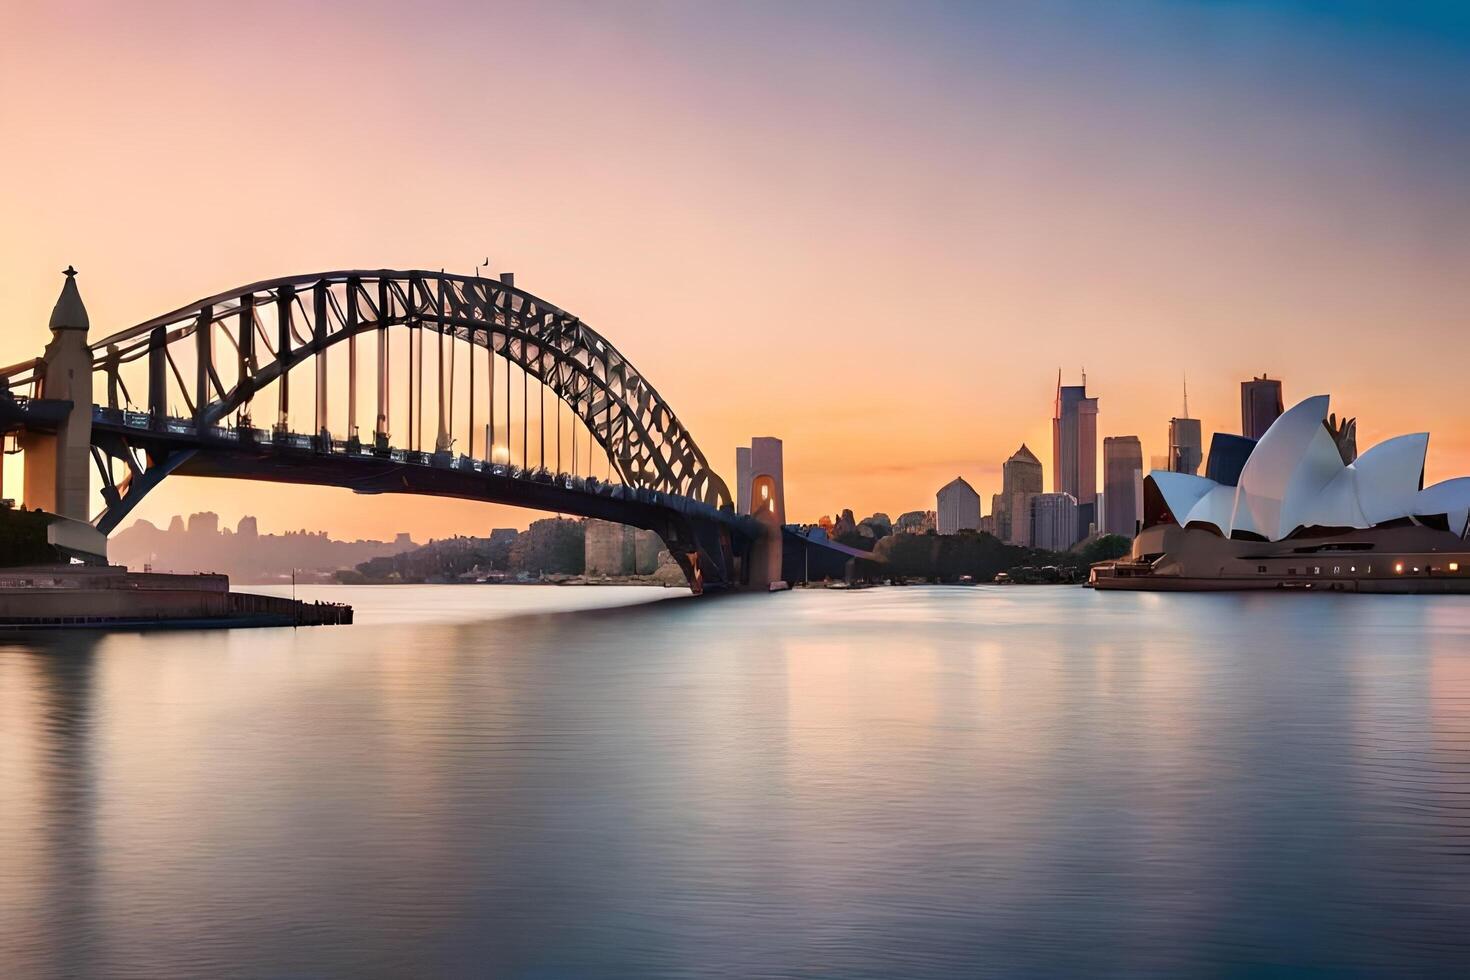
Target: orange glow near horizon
x: 875, y: 237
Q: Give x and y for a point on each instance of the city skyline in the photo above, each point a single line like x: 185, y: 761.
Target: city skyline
x: 669, y: 488
x: 771, y: 449
x: 936, y: 148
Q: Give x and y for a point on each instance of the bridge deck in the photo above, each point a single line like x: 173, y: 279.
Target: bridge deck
x: 290, y: 457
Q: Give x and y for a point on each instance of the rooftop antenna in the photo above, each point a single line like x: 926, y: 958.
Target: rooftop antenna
x: 1084, y: 377
x: 1186, y: 394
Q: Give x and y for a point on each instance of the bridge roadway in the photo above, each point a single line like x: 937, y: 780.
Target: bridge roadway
x: 687, y: 526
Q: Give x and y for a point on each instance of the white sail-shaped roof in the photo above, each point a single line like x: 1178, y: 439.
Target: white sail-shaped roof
x: 1319, y: 466
x: 1181, y: 491
x: 1213, y: 509
x: 1390, y: 476
x: 1337, y: 505
x: 1450, y: 498
x: 1297, y: 456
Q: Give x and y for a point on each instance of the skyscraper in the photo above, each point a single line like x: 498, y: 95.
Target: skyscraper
x: 1186, y: 445
x: 1074, y: 448
x: 1122, y: 481
x: 1011, y: 508
x: 1260, y: 405
x: 1054, y: 521
x: 958, y: 507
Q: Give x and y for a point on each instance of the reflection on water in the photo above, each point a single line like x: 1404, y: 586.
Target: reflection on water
x: 914, y: 782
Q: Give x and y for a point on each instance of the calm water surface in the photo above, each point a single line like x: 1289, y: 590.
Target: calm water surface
x: 541, y: 782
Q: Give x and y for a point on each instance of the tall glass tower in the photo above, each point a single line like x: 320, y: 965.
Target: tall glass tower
x: 1074, y: 448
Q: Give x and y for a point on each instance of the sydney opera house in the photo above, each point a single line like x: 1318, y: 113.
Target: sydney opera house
x: 1297, y: 510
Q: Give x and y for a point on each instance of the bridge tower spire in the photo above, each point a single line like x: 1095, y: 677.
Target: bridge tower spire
x: 58, y: 467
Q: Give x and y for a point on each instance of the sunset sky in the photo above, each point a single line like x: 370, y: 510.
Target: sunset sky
x: 875, y: 230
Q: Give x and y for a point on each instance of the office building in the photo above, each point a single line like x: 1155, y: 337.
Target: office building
x: 1021, y: 480
x: 1054, y: 521
x: 1074, y: 449
x: 1122, y: 485
x: 1260, y: 405
x: 1185, y: 445
x: 958, y: 508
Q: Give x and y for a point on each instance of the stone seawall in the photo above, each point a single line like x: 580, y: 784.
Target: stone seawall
x: 108, y: 596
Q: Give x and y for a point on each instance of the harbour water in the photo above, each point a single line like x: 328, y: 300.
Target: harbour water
x: 604, y: 782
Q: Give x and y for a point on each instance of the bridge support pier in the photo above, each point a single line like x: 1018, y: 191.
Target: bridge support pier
x: 711, y: 558
x: 764, y: 563
x: 760, y: 491
x: 58, y: 468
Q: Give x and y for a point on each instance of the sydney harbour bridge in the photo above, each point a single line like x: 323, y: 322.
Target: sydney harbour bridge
x: 526, y: 405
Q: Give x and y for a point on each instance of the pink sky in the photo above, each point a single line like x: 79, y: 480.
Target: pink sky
x: 875, y: 235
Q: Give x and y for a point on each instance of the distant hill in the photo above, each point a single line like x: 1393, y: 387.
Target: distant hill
x: 244, y: 554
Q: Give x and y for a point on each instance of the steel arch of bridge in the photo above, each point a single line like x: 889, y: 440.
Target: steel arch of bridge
x: 645, y: 442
